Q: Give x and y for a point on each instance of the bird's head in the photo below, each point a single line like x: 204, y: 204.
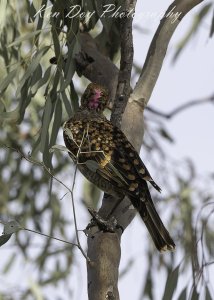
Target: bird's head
x: 95, y: 98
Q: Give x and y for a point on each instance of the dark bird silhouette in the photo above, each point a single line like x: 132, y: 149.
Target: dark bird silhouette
x: 106, y: 158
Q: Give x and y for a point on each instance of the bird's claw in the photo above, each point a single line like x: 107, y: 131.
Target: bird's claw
x: 109, y: 225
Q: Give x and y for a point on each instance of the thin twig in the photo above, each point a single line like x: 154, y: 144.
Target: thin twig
x: 180, y: 108
x: 75, y: 220
x: 52, y: 237
x: 59, y: 181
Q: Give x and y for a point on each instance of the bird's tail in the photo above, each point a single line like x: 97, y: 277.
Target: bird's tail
x: 155, y: 226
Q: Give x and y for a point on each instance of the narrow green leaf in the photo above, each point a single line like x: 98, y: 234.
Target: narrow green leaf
x: 67, y: 104
x: 11, y: 116
x: 11, y: 227
x: 148, y: 288
x: 4, y: 239
x: 165, y: 134
x: 32, y: 67
x: 183, y: 294
x: 36, y: 290
x: 24, y: 99
x: 77, y: 46
x: 69, y: 66
x: 9, y: 263
x: 57, y: 48
x: 47, y: 156
x: 89, y: 6
x: 105, y: 20
x: 208, y: 295
x: 57, y: 122
x: 36, y: 75
x: 192, y: 30
x: 171, y: 284
x: 25, y: 37
x: 91, y: 194
x: 74, y: 97
x: 40, y: 17
x: 45, y: 78
x: 45, y: 122
x: 7, y: 80
x: 58, y: 148
x: 3, y: 13
x: 195, y: 295
x: 2, y: 105
x: 212, y: 26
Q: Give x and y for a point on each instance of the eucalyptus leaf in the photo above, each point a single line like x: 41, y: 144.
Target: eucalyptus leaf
x: 74, y: 97
x: 67, y: 104
x: 9, y: 263
x: 32, y: 67
x: 91, y: 194
x: 69, y: 66
x: 37, y: 75
x: 56, y: 42
x: 58, y: 148
x: 56, y: 122
x: 106, y: 21
x: 212, y: 26
x: 171, y: 284
x: 2, y: 105
x: 195, y: 294
x: 4, y: 239
x: 32, y: 12
x: 7, y: 80
x: 11, y: 116
x: 208, y: 294
x: 24, y: 38
x: 183, y: 294
x: 196, y: 23
x: 46, y: 121
x: 3, y: 13
x: 11, y: 227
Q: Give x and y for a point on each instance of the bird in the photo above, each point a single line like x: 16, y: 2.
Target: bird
x: 105, y: 156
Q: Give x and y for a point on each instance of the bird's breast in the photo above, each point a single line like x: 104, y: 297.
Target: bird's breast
x: 85, y: 139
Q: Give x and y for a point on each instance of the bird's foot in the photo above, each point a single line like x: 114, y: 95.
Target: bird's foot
x: 109, y: 225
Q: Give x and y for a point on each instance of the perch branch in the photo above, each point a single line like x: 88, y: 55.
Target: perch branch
x: 180, y: 108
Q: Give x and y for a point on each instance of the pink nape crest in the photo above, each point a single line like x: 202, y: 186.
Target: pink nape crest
x: 94, y: 100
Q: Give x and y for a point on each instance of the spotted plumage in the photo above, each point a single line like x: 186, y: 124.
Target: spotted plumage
x: 117, y: 168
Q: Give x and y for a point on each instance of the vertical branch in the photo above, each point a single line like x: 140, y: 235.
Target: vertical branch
x: 104, y: 248
x: 126, y: 62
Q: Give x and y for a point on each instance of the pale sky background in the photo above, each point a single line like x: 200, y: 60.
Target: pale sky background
x: 190, y: 78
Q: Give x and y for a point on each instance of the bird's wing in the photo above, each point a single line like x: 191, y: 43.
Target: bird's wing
x: 117, y: 159
x: 104, y: 149
x: 132, y: 159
